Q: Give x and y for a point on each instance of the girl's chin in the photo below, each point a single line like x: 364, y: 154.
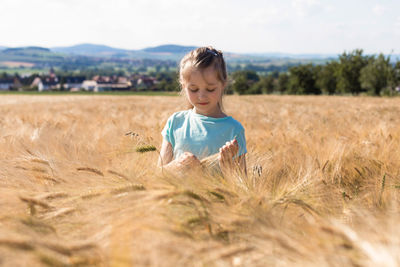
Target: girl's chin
x: 206, y: 111
x: 201, y: 109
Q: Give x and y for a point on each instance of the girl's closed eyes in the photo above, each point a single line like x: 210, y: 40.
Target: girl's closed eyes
x: 196, y: 90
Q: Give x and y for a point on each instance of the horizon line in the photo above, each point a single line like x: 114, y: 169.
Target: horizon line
x: 226, y: 51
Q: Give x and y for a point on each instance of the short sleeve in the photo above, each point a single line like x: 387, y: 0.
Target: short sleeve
x: 167, y: 131
x: 240, y: 137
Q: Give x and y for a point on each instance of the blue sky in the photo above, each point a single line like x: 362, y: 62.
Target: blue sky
x: 249, y: 26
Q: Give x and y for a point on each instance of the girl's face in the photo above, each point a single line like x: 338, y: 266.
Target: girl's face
x: 204, y: 90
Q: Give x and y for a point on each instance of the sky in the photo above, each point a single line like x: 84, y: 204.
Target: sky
x: 241, y: 26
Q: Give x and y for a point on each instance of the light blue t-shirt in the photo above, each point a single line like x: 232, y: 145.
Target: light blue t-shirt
x: 203, y: 136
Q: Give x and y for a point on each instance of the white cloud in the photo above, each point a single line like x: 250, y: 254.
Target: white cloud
x: 379, y: 10
x: 305, y: 7
x: 397, y: 26
x: 231, y: 25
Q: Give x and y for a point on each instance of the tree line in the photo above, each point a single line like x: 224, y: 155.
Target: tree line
x: 353, y: 73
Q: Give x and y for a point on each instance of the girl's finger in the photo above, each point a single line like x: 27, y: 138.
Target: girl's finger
x: 223, y: 152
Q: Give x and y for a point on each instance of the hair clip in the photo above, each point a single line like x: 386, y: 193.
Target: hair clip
x: 212, y: 52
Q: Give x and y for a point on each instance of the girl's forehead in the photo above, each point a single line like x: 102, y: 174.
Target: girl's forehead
x: 208, y: 75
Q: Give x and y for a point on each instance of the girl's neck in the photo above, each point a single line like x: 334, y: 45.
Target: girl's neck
x: 214, y: 114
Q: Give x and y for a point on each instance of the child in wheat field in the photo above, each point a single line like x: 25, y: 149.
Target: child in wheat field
x: 203, y: 130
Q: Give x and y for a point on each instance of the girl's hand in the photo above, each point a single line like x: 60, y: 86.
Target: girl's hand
x: 187, y: 160
x: 227, y: 152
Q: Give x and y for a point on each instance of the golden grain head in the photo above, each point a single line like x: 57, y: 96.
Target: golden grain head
x: 78, y: 186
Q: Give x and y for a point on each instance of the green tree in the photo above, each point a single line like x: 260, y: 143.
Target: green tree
x: 283, y: 81
x: 255, y: 89
x: 274, y: 74
x: 240, y: 85
x: 394, y: 77
x: 266, y: 84
x: 243, y: 81
x: 374, y: 77
x: 302, y: 80
x: 326, y: 78
x: 349, y: 71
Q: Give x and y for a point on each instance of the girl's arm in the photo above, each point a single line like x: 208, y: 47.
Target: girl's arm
x: 166, y: 161
x: 166, y: 153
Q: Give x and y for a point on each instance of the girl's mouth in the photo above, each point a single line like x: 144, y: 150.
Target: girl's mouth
x: 203, y: 104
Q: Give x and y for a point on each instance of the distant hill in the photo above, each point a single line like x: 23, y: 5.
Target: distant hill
x: 295, y: 56
x: 163, y: 52
x: 88, y: 49
x: 30, y: 54
x: 26, y: 50
x: 169, y: 49
x: 87, y: 54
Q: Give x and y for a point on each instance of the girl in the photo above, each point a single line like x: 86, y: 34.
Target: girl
x: 204, y: 129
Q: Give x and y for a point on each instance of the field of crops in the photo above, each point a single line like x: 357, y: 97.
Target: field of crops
x: 77, y: 188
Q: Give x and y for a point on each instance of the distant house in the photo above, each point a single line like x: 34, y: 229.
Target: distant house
x: 90, y: 85
x: 6, y: 84
x: 102, y: 87
x: 122, y: 86
x: 102, y: 79
x: 45, y: 83
x: 133, y: 80
x: 145, y: 83
x: 73, y: 83
x: 122, y: 79
x: 113, y: 83
x: 103, y: 83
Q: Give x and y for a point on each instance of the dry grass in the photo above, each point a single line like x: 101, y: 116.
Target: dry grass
x: 79, y: 185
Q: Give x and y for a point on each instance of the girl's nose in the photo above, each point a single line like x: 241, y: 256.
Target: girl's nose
x: 202, y: 95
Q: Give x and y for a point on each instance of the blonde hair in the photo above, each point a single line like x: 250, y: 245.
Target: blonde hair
x: 202, y: 58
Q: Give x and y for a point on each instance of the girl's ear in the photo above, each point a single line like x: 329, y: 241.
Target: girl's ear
x: 183, y: 85
x: 224, y: 85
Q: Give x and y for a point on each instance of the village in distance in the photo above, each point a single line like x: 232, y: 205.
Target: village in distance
x: 99, y: 68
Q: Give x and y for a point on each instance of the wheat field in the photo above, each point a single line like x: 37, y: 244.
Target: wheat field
x: 79, y: 188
